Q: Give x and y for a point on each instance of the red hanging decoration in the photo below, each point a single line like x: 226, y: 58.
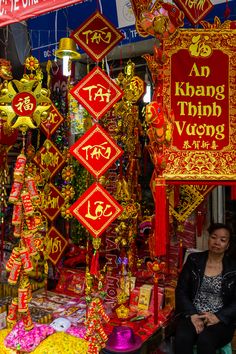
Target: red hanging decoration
x: 180, y: 265
x: 227, y: 10
x: 233, y: 193
x: 201, y: 217
x: 161, y: 218
x: 94, y: 268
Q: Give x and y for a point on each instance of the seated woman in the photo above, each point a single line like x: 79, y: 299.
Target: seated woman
x: 206, y: 297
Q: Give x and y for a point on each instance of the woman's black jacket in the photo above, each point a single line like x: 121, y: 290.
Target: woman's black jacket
x: 190, y: 280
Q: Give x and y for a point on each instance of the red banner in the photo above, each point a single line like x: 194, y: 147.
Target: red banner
x: 17, y: 10
x: 199, y: 89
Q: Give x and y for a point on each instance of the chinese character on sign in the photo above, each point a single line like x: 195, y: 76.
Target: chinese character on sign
x: 24, y: 104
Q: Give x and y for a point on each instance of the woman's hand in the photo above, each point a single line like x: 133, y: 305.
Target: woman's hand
x: 198, y: 323
x: 209, y: 318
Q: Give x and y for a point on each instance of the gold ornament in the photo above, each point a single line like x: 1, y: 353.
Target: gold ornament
x: 217, y: 24
x: 68, y: 173
x: 31, y: 63
x: 122, y: 311
x: 5, y: 69
x: 68, y: 192
x: 27, y: 89
x: 65, y: 212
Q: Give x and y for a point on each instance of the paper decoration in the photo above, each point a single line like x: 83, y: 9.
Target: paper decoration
x: 97, y: 92
x: 97, y: 36
x: 96, y: 209
x: 96, y: 150
x: 191, y: 196
x: 49, y: 158
x: 50, y: 125
x: 57, y: 245
x: 196, y: 10
x: 51, y: 201
x: 199, y: 86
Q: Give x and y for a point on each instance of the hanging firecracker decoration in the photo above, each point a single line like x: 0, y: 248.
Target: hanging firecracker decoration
x: 95, y: 333
x: 27, y: 221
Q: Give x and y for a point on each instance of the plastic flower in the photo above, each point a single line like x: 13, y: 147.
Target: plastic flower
x: 67, y: 192
x: 66, y: 154
x: 65, y: 212
x: 31, y: 63
x: 68, y: 173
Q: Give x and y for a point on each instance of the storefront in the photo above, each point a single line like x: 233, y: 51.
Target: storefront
x: 103, y: 189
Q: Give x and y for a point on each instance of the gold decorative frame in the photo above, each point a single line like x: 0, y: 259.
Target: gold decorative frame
x: 212, y: 164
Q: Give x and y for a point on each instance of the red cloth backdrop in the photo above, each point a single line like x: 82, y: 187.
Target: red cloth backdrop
x: 16, y: 11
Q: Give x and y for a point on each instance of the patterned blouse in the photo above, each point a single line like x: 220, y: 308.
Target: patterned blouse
x: 209, y: 297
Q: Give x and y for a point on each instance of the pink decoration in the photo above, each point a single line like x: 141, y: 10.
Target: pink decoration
x: 27, y: 340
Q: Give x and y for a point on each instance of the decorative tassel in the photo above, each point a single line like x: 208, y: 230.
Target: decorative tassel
x: 233, y: 193
x: 227, y: 10
x: 94, y: 263
x: 161, y: 218
x: 156, y: 305
x: 176, y: 195
x: 200, y: 217
x: 180, y: 254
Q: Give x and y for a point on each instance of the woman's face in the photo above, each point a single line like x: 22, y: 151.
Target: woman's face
x: 219, y: 241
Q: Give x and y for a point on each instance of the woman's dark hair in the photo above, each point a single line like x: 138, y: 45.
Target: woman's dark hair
x: 217, y: 226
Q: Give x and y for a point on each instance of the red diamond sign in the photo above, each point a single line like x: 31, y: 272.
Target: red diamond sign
x: 96, y: 151
x: 96, y: 209
x: 50, y: 125
x: 49, y: 158
x: 57, y: 245
x: 51, y: 201
x: 97, y: 92
x: 97, y: 36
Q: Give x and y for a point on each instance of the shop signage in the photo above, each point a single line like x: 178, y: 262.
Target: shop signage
x: 57, y: 245
x: 96, y: 151
x: 97, y: 36
x: 18, y: 10
x: 199, y: 88
x: 96, y: 209
x: 97, y: 92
